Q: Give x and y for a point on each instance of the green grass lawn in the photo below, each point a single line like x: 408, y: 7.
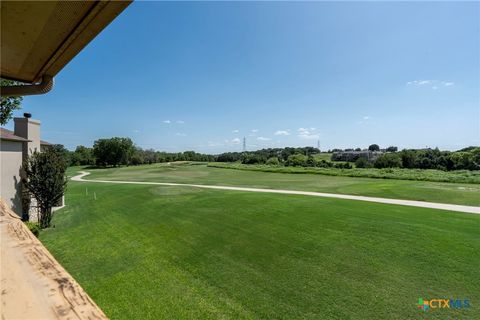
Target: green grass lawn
x: 155, y: 252
x: 455, y: 193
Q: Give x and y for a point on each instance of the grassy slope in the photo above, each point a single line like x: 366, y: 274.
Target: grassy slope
x: 146, y: 252
x: 456, y: 193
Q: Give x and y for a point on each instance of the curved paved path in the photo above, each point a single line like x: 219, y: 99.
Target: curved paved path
x: 412, y: 203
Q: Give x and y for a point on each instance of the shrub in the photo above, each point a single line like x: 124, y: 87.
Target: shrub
x: 297, y: 160
x: 343, y: 165
x: 388, y: 160
x: 273, y: 161
x: 33, y: 227
x: 362, y: 162
x: 46, y: 181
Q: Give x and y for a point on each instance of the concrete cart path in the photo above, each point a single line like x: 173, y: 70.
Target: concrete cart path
x: 412, y: 203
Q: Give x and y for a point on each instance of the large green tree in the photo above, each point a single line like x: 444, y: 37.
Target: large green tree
x: 8, y: 104
x: 113, y: 152
x: 46, y: 181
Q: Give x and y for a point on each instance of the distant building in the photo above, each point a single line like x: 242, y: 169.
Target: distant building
x: 15, y: 146
x: 352, y: 156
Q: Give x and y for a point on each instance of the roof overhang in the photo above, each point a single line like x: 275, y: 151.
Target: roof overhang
x: 38, y: 38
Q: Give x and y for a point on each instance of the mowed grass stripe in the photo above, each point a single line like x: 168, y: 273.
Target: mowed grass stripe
x: 175, y: 252
x: 441, y: 192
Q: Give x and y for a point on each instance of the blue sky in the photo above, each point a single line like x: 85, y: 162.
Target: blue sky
x: 201, y: 76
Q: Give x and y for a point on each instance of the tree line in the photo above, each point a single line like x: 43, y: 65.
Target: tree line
x: 122, y: 151
x: 118, y: 151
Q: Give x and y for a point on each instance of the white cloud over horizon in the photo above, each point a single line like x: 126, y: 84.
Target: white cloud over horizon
x: 308, y: 133
x: 263, y: 139
x: 282, y: 133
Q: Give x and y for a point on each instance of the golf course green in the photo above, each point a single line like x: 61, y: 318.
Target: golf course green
x: 161, y: 252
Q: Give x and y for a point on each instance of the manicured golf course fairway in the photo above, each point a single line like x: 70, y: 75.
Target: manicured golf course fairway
x: 159, y: 252
x: 442, y: 192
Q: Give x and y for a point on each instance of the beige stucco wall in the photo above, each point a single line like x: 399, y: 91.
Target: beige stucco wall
x: 28, y: 129
x: 10, y: 163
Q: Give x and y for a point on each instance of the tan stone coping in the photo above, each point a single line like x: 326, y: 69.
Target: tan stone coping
x: 33, y: 284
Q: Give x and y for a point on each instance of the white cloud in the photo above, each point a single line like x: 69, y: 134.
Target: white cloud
x: 263, y: 139
x: 180, y: 121
x: 434, y: 84
x: 254, y: 130
x: 307, y: 133
x: 179, y: 134
x: 136, y: 131
x: 235, y: 131
x: 235, y: 141
x: 367, y: 117
x: 282, y: 133
x: 167, y: 121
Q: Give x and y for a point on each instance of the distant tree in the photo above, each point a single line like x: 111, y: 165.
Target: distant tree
x: 392, y: 149
x: 252, y: 158
x: 408, y: 158
x: 388, y: 160
x: 46, y: 181
x: 358, y: 149
x: 113, y: 152
x: 82, y: 156
x: 8, y: 104
x: 374, y: 147
x: 311, y: 162
x: 63, y: 152
x: 362, y: 162
x: 297, y: 160
x: 273, y: 161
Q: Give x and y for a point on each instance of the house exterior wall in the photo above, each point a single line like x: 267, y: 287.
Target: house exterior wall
x: 11, y: 155
x: 28, y: 129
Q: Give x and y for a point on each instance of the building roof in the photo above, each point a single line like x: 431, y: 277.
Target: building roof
x: 40, y: 37
x: 9, y: 135
x: 45, y: 143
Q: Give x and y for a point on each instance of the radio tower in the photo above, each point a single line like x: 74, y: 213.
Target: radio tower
x: 244, y: 144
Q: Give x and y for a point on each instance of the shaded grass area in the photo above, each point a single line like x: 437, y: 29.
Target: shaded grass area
x: 458, y: 176
x: 146, y: 252
x: 200, y: 173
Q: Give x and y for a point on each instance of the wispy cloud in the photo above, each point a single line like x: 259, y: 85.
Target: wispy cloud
x: 282, y: 133
x: 254, y: 130
x: 235, y: 131
x: 136, y: 131
x: 307, y: 133
x: 263, y: 139
x: 232, y: 142
x: 167, y: 121
x: 180, y: 121
x: 365, y: 120
x: 434, y: 84
x: 180, y: 134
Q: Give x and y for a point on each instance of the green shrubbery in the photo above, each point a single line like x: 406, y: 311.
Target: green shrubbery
x: 458, y: 176
x: 33, y: 227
